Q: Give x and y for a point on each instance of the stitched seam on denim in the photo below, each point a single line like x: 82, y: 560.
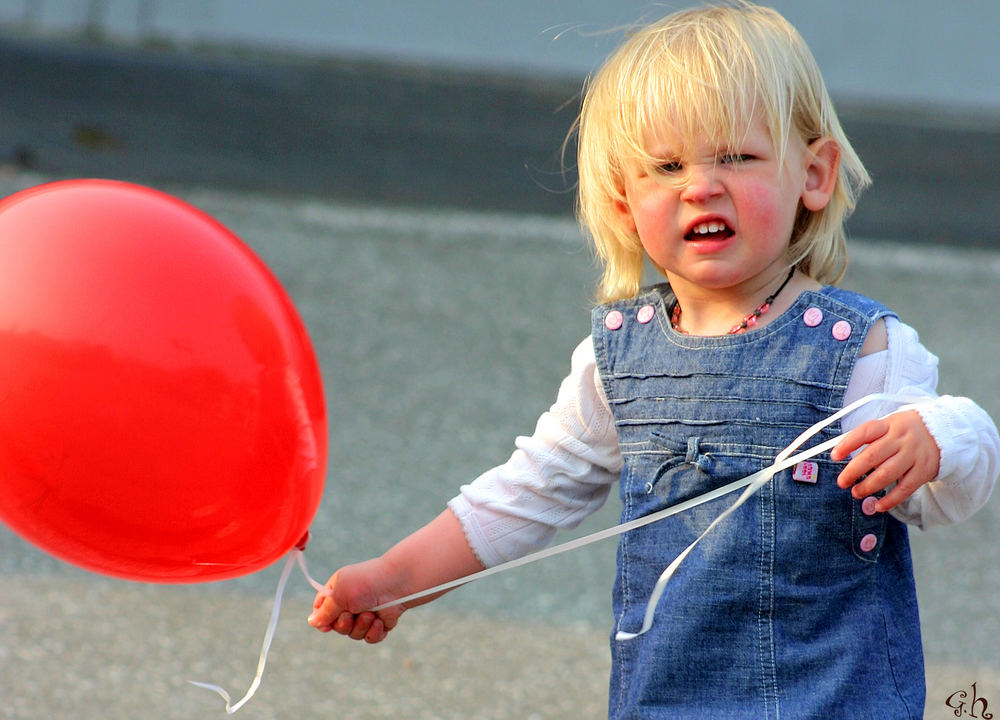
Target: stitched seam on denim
x: 748, y: 452
x: 793, y: 427
x: 888, y: 651
x: 601, y: 353
x: 675, y: 374
x: 765, y: 619
x: 742, y: 407
x: 626, y: 592
x: 603, y: 365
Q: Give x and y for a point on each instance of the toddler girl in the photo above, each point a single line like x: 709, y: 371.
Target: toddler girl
x: 709, y: 148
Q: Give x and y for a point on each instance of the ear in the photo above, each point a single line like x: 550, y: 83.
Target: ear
x: 621, y: 207
x: 822, y: 172
x: 624, y: 214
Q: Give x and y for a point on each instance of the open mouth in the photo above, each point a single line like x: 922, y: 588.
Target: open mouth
x: 714, y: 230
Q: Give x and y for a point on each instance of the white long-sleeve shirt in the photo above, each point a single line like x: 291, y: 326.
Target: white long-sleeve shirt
x: 565, y: 470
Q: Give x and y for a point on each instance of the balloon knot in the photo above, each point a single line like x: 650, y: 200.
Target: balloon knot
x: 301, y: 544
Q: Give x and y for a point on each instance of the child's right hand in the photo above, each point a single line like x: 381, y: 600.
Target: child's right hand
x: 355, y: 589
x: 434, y: 554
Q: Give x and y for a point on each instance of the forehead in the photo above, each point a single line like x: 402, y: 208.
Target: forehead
x: 670, y: 136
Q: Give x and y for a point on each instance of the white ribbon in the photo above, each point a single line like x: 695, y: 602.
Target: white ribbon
x: 296, y: 554
x: 749, y: 484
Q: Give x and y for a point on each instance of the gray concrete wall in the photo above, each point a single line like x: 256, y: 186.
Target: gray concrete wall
x: 903, y: 51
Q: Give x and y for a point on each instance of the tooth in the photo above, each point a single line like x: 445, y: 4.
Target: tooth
x: 709, y: 227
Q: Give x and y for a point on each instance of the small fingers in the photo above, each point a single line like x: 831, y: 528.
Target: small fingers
x: 908, y: 484
x: 870, y: 470
x: 877, y: 479
x: 362, y: 624
x: 365, y: 626
x: 322, y: 597
x: 377, y: 632
x: 860, y: 436
x: 344, y: 623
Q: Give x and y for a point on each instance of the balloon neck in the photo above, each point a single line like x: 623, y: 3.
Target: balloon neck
x: 301, y: 544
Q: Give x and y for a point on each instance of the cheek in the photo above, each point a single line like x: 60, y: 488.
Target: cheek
x: 766, y: 208
x: 648, y: 212
x: 652, y: 224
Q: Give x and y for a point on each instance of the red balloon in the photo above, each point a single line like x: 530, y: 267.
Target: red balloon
x: 161, y: 408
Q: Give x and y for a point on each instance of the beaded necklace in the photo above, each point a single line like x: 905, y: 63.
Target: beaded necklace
x: 748, y: 321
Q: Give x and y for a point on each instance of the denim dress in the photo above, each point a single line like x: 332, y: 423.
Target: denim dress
x: 801, y: 604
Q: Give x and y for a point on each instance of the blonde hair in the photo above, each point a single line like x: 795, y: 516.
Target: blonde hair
x: 707, y: 71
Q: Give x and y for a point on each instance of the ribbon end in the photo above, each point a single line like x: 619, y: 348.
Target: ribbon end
x: 221, y: 693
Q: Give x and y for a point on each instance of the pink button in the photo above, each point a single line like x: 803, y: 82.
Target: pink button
x: 868, y: 505
x: 813, y: 317
x: 613, y: 320
x: 868, y: 543
x: 841, y: 330
x: 645, y: 314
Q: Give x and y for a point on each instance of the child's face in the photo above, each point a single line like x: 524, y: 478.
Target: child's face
x: 719, y: 218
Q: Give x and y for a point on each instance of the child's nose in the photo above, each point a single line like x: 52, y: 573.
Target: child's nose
x: 701, y: 184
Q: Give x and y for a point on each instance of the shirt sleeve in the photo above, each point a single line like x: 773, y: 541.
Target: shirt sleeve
x: 554, y: 479
x: 965, y: 434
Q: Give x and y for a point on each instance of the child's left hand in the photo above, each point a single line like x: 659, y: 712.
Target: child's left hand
x: 899, y: 450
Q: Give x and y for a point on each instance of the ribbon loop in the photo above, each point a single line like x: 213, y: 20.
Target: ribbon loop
x: 272, y: 625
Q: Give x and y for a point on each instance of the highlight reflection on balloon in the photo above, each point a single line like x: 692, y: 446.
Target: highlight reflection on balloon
x: 161, y: 408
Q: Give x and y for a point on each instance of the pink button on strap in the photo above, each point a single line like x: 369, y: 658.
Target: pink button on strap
x: 645, y: 314
x: 813, y: 317
x: 841, y: 330
x: 613, y: 320
x: 868, y: 505
x: 868, y: 543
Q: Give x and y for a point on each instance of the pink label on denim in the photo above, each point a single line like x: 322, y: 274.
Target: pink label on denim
x: 806, y: 472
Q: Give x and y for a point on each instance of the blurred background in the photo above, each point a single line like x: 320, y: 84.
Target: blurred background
x: 402, y: 169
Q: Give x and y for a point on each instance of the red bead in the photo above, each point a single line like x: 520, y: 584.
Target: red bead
x: 748, y: 322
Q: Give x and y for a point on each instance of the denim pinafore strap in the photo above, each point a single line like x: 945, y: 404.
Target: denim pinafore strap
x: 799, y: 605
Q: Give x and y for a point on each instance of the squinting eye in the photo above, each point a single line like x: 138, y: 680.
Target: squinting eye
x: 736, y: 158
x: 670, y: 167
